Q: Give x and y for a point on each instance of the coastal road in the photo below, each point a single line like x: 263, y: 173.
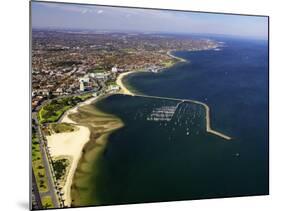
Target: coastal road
x: 62, y: 96
x: 45, y: 153
x: 50, y: 178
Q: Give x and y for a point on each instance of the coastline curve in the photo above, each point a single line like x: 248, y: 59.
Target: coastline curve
x: 126, y: 91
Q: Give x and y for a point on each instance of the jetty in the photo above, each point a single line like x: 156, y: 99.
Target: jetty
x: 207, y: 113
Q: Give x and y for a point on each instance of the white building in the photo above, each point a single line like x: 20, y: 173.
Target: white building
x: 92, y: 75
x: 114, y: 88
x: 82, y: 87
x: 102, y: 76
x: 85, y: 79
x: 114, y: 69
x: 45, y: 92
x: 59, y: 90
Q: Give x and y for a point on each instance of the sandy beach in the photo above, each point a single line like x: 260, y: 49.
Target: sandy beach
x: 119, y: 82
x: 70, y: 144
x: 65, y: 117
x: 125, y: 90
x: 175, y: 57
x: 101, y: 126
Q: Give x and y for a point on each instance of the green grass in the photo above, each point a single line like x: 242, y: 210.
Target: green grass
x: 61, y: 127
x: 38, y: 166
x: 60, y: 166
x: 168, y: 63
x: 47, y: 202
x: 98, y: 70
x: 54, y: 110
x: 40, y: 176
x: 111, y: 83
x: 51, y: 113
x: 35, y: 148
x: 85, y: 96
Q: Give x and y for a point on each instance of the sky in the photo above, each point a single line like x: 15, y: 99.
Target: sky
x: 101, y: 18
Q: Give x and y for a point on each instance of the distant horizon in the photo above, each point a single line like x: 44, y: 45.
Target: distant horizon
x: 70, y: 16
x: 99, y: 31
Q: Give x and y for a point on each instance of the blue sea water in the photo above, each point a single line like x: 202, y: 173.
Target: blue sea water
x: 153, y: 161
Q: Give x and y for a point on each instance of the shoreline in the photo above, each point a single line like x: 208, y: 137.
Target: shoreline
x: 169, y: 53
x: 70, y: 144
x: 78, y: 143
x: 119, y: 82
x: 101, y: 126
x: 126, y: 91
x: 65, y: 119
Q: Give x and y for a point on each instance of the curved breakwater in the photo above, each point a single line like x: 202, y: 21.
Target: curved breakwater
x: 207, y: 117
x: 133, y: 161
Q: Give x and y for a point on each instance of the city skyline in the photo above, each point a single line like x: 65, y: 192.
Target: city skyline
x: 107, y: 18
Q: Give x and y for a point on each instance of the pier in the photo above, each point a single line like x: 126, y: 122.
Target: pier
x: 207, y: 116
